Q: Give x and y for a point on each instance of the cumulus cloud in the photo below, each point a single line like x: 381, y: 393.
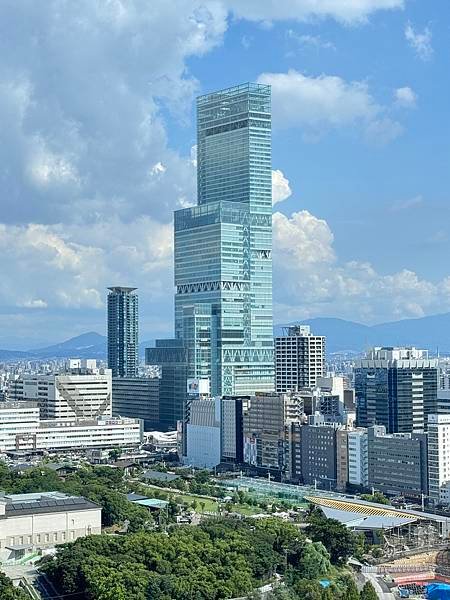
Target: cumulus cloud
x: 318, y: 104
x: 312, y: 281
x: 420, y: 42
x: 281, y: 189
x: 405, y: 97
x: 345, y: 11
x: 314, y: 41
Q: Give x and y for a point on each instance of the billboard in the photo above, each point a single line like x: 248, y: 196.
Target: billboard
x: 198, y: 387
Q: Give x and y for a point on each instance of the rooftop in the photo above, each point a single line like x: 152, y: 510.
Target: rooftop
x: 43, y: 502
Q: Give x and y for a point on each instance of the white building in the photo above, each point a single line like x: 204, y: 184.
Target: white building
x: 439, y: 458
x: 299, y: 359
x: 358, y: 461
x: 21, y: 428
x: 36, y: 522
x: 81, y: 393
x: 203, y: 433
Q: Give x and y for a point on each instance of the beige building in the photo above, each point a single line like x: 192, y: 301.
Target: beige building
x: 32, y: 523
x: 266, y: 429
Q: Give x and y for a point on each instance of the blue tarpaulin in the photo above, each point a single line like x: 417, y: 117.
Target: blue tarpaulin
x: 438, y: 591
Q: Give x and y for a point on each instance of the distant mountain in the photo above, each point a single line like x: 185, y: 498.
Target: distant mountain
x: 432, y: 333
x: 86, y: 345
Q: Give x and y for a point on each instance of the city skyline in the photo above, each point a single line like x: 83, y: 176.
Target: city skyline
x: 89, y: 185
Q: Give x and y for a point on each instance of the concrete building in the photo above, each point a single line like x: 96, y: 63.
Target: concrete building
x: 123, y: 331
x: 223, y: 246
x: 397, y: 462
x: 79, y: 393
x: 232, y: 430
x: 358, y: 459
x: 137, y: 397
x: 203, y: 433
x: 299, y: 359
x: 319, y: 453
x: 21, y: 428
x: 439, y: 458
x: 171, y: 357
x: 266, y: 429
x: 397, y: 388
x: 38, y: 522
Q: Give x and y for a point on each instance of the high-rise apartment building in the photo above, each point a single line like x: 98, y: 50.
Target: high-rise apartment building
x: 123, y: 339
x: 299, y: 359
x: 397, y: 388
x: 223, y: 246
x: 439, y: 458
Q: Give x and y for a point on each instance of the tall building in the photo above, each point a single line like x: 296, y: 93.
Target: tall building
x: 137, y: 397
x: 397, y: 462
x: 439, y: 458
x: 267, y: 420
x: 171, y: 356
x: 358, y: 461
x: 397, y: 388
x: 123, y: 339
x: 299, y: 359
x: 223, y: 246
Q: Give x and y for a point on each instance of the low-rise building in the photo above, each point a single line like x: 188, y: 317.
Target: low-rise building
x: 35, y: 522
x: 22, y: 429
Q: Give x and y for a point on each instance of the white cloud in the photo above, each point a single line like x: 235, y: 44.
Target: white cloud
x: 310, y: 280
x: 346, y: 11
x: 280, y: 187
x: 318, y: 104
x: 405, y: 97
x: 420, y: 42
x: 407, y: 204
x: 315, y: 41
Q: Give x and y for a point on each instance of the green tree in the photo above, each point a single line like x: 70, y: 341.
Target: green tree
x: 377, y: 497
x: 308, y: 590
x: 368, y: 592
x: 337, y: 539
x: 315, y: 561
x: 115, y: 454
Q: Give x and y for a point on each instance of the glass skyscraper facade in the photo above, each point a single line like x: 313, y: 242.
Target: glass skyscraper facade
x: 123, y: 339
x: 223, y: 246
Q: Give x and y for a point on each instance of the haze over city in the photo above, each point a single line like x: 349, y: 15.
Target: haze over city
x: 98, y: 149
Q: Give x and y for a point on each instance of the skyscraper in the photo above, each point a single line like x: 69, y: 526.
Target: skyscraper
x: 223, y: 246
x: 397, y: 388
x: 299, y: 359
x: 123, y: 351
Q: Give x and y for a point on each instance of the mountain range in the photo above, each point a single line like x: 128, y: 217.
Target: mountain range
x: 431, y: 332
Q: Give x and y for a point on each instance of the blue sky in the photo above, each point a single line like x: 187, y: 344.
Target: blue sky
x: 97, y: 137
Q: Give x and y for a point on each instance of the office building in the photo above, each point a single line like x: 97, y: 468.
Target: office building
x: 267, y: 433
x: 232, y: 430
x: 358, y: 459
x: 397, y: 388
x: 123, y: 337
x: 318, y: 446
x: 137, y: 397
x: 397, y: 462
x: 439, y: 458
x: 21, y: 428
x: 299, y: 359
x: 203, y: 433
x: 32, y: 523
x: 78, y: 393
x: 171, y: 357
x: 223, y: 246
